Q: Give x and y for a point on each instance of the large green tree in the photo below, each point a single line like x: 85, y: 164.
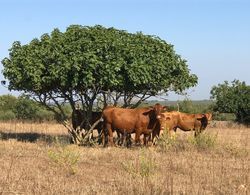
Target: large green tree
x: 233, y: 98
x: 85, y: 63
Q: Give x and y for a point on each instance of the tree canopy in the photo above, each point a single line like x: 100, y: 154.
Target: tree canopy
x: 233, y: 98
x: 85, y: 63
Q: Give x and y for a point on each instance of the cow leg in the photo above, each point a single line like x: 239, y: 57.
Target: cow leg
x: 137, y: 138
x: 124, y: 138
x: 145, y: 139
x: 155, y: 134
x: 196, y: 132
x: 104, y: 137
x: 100, y: 137
x: 119, y: 137
x: 110, y: 135
x: 128, y: 140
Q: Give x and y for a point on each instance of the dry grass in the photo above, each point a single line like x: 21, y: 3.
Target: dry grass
x: 46, y: 164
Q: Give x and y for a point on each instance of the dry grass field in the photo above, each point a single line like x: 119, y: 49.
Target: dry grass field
x: 37, y: 159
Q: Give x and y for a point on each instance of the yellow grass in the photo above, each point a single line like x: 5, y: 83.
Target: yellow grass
x: 44, y: 164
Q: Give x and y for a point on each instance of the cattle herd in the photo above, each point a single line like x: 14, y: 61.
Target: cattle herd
x: 148, y: 121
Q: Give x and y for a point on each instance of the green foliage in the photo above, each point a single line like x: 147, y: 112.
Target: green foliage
x: 233, y: 98
x: 7, y: 102
x: 7, y: 115
x: 65, y: 158
x: 223, y: 116
x: 84, y: 57
x: 42, y: 114
x: 189, y: 106
x: 25, y: 108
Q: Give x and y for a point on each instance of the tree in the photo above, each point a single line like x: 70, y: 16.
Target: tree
x: 7, y: 106
x: 86, y: 63
x: 233, y: 98
x: 25, y: 108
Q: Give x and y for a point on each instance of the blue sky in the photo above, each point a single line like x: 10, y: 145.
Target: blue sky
x: 212, y: 35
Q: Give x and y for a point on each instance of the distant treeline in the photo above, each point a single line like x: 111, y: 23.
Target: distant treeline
x: 25, y: 109
x: 195, y: 106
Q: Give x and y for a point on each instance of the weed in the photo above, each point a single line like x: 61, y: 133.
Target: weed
x: 143, y: 166
x: 165, y: 141
x: 65, y: 157
x: 235, y: 151
x: 203, y: 141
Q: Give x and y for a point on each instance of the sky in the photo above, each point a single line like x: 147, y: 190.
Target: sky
x: 212, y: 35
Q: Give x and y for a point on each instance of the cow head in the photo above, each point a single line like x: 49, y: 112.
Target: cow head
x: 204, y: 121
x: 209, y: 116
x: 156, y: 110
x: 165, y: 121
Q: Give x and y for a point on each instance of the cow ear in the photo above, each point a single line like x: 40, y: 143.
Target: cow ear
x: 201, y: 117
x: 167, y: 118
x: 147, y: 112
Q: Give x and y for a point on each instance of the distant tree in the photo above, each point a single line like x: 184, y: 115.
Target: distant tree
x: 233, y: 98
x: 7, y: 102
x: 7, y: 105
x: 85, y: 63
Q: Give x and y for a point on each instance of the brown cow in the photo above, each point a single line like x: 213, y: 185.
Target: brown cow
x: 138, y: 121
x: 186, y: 122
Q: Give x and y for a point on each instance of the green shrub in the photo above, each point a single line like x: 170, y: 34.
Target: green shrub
x: 7, y: 115
x: 43, y: 115
x: 224, y: 116
x: 234, y: 98
x: 7, y: 102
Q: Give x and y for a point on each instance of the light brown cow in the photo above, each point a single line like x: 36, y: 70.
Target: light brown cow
x: 138, y: 121
x: 184, y: 121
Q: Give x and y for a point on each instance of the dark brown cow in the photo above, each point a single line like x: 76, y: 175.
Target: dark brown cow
x: 79, y: 116
x: 186, y: 122
x: 138, y: 121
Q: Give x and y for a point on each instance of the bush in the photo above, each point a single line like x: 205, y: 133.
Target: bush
x: 25, y: 108
x: 189, y: 106
x: 224, y: 116
x: 7, y: 115
x: 233, y: 98
x: 7, y: 102
x: 43, y: 115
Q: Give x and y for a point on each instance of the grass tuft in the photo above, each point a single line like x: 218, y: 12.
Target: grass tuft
x: 65, y: 158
